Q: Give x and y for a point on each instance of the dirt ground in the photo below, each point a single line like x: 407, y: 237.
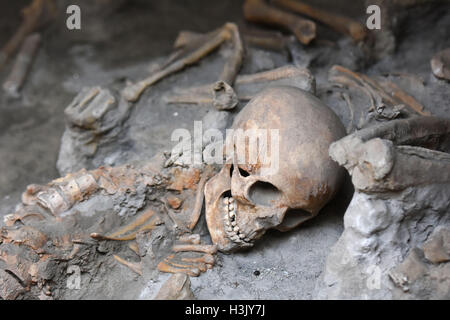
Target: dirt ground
x: 119, y: 44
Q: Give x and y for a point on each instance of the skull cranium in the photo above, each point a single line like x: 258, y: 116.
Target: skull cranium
x: 243, y: 201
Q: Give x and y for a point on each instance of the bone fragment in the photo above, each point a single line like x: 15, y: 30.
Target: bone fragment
x: 247, y: 86
x: 136, y: 267
x: 36, y: 15
x: 210, y: 249
x: 379, y: 93
x: 163, y: 266
x: 189, y: 54
x: 199, y: 197
x: 190, y: 238
x: 206, y: 259
x: 146, y: 221
x: 260, y: 12
x: 338, y: 22
x: 440, y: 64
x: 22, y: 65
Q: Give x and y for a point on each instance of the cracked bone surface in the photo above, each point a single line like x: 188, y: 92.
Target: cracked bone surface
x: 245, y: 199
x: 187, y: 54
x: 260, y: 12
x: 111, y: 222
x: 340, y: 23
x: 390, y: 248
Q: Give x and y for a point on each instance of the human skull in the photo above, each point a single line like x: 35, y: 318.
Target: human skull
x: 243, y: 201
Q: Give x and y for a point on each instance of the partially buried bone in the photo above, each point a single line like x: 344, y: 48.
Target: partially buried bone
x: 440, y: 64
x: 36, y: 15
x: 386, y: 101
x: 247, y: 86
x: 340, y: 23
x: 22, y: 65
x: 83, y: 219
x: 93, y: 114
x: 224, y: 97
x: 260, y: 12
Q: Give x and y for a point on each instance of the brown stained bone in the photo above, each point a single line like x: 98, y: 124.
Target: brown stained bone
x: 36, y: 15
x: 136, y: 267
x: 205, y: 248
x: 177, y: 287
x: 199, y: 197
x: 165, y: 266
x: 381, y: 93
x: 190, y: 238
x: 205, y: 259
x: 256, y: 38
x: 37, y: 244
x: 260, y: 12
x: 338, y: 22
x: 190, y: 54
x: 247, y: 86
x: 22, y: 65
x: 146, y: 221
x: 440, y: 64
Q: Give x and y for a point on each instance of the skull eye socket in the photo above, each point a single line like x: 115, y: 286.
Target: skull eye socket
x: 264, y: 194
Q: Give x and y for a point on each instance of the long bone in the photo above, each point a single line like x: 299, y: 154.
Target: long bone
x: 224, y: 97
x: 338, y: 22
x: 260, y: 12
x: 380, y: 93
x: 246, y: 86
x: 440, y: 64
x: 36, y: 15
x: 22, y: 65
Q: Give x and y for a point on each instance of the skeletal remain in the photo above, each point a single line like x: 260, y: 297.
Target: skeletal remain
x: 53, y: 227
x: 386, y: 100
x: 224, y: 97
x: 36, y: 15
x: 22, y: 65
x: 340, y: 23
x: 440, y: 64
x: 260, y: 12
x: 257, y: 38
x: 93, y: 114
x: 247, y: 86
x: 136, y: 267
x: 242, y: 201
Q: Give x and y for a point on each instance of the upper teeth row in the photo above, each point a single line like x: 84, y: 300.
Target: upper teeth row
x: 231, y: 226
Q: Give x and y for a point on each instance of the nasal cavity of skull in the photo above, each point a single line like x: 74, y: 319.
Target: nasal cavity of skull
x: 264, y: 194
x: 241, y: 171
